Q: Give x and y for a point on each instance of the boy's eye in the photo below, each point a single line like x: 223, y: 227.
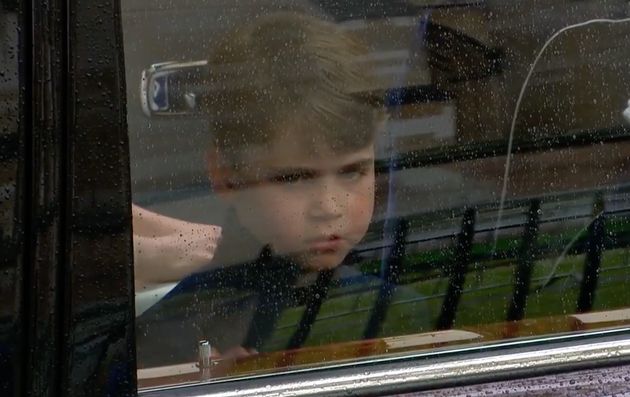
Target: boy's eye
x: 352, y: 176
x: 354, y: 173
x: 292, y: 178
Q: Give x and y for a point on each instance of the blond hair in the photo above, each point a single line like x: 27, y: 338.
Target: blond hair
x: 290, y: 73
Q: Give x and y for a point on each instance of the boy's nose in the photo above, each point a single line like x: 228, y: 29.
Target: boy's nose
x: 327, y: 204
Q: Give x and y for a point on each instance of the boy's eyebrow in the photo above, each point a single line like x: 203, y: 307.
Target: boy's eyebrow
x: 292, y: 171
x: 359, y: 164
x: 288, y: 173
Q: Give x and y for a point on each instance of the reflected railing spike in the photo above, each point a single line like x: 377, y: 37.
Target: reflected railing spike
x: 457, y: 271
x: 311, y: 310
x: 392, y: 268
x: 275, y: 275
x: 593, y: 256
x: 525, y: 264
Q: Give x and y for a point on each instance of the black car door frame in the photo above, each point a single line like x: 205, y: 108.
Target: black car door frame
x: 74, y: 332
x: 73, y: 326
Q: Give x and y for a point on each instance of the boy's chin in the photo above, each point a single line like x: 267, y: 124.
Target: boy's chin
x: 321, y: 262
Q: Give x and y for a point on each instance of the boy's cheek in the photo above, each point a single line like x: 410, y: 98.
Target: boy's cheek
x: 272, y: 218
x: 267, y: 204
x: 277, y: 218
x: 362, y: 208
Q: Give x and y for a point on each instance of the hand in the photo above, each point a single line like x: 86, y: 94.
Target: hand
x: 168, y: 249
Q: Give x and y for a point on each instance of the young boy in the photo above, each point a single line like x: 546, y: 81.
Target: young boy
x: 292, y: 154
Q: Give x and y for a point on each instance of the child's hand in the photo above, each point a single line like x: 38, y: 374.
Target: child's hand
x: 168, y: 249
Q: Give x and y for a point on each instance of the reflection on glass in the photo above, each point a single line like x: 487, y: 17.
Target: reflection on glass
x: 11, y: 192
x: 346, y: 166
x: 292, y: 158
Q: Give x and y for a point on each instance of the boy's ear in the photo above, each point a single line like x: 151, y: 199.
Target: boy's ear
x: 218, y: 174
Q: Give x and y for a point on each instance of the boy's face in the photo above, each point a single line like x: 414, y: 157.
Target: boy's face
x: 310, y: 203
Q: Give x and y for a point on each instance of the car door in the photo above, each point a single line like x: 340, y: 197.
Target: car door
x: 66, y: 324
x: 496, y: 212
x: 498, y: 248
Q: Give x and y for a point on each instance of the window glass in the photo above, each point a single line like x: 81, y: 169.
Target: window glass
x: 320, y: 181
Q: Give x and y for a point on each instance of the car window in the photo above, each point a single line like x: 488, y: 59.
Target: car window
x: 318, y: 182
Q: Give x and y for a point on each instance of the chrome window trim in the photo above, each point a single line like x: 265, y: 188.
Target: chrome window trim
x: 429, y: 370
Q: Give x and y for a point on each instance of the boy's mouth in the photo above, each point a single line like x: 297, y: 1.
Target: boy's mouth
x: 325, y: 244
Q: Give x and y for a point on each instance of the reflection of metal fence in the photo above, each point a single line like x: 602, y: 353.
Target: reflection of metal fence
x: 457, y: 272
x: 392, y: 268
x: 441, y: 296
x: 559, y: 207
x: 311, y: 310
x: 525, y: 263
x: 564, y: 208
x: 526, y: 255
x: 594, y: 248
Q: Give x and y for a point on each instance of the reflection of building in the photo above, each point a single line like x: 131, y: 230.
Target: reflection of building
x: 580, y: 82
x: 479, y: 56
x: 450, y: 75
x: 420, y: 115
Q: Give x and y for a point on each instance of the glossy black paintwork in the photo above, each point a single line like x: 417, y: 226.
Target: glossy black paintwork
x: 65, y: 270
x: 12, y: 156
x: 66, y: 308
x: 44, y: 178
x: 98, y: 277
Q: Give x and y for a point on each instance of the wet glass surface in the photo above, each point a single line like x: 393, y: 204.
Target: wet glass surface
x: 318, y: 181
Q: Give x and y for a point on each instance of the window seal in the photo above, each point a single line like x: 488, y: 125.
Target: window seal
x: 428, y: 370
